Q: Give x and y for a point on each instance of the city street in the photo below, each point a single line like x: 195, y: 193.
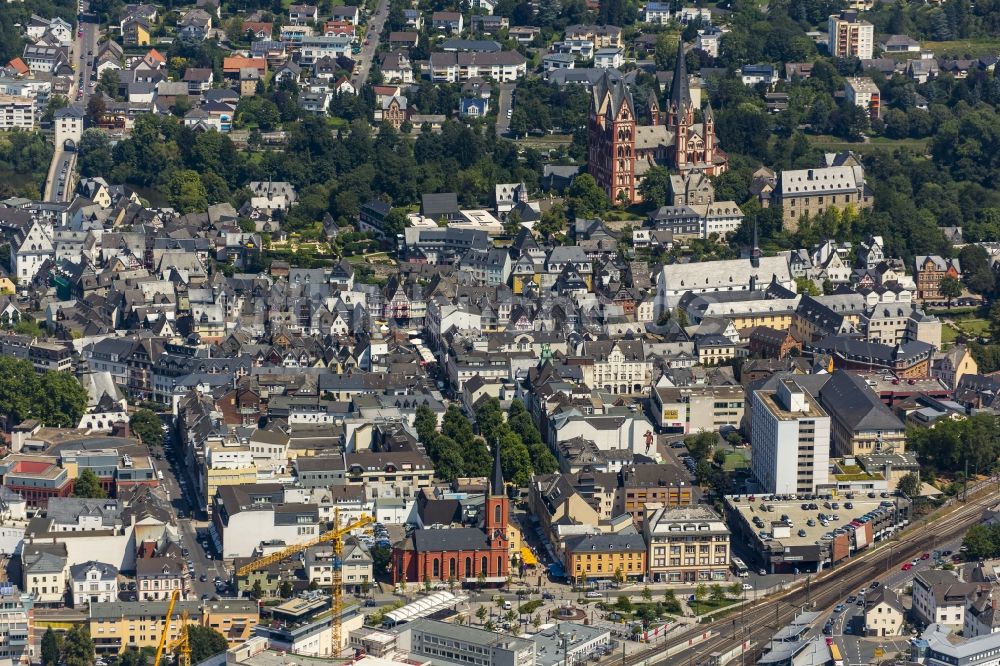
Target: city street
x: 367, y: 56
x: 182, y: 500
x: 60, y: 183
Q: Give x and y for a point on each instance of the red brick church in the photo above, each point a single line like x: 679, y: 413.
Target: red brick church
x: 620, y: 151
x: 463, y: 554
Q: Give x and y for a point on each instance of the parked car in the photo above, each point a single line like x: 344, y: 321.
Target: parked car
x: 593, y: 594
x: 839, y: 608
x: 907, y: 566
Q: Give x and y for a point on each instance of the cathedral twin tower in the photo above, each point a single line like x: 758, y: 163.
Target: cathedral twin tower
x: 620, y: 151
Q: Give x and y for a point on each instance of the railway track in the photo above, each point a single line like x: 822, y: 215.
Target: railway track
x: 760, y: 621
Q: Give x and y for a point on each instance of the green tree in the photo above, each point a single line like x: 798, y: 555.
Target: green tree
x: 585, y: 197
x: 717, y: 594
x: 88, y: 485
x: 94, y: 154
x: 490, y: 420
x: 60, y: 400
x: 205, y: 642
x: 976, y: 272
x: 145, y: 424
x: 950, y: 288
x: 78, y: 647
x: 553, y: 222
x: 655, y: 186
x: 700, y: 446
x: 95, y: 109
x: 133, y: 656
x: 187, y: 193
x: 665, y: 52
x: 735, y: 589
x: 624, y: 604
x: 647, y: 594
x: 516, y: 460
x: 425, y: 423
x: 481, y: 613
x: 806, y: 286
x: 257, y: 591
x: 381, y: 556
x: 909, y: 484
x: 55, y: 103
x: 285, y: 589
x: 700, y: 594
x: 980, y: 542
x: 109, y: 84
x: 18, y: 385
x: 50, y: 648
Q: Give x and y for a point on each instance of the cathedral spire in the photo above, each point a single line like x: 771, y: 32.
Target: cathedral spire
x: 755, y: 252
x: 497, y: 488
x: 680, y: 93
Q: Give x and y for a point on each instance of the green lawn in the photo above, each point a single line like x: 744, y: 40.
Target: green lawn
x: 963, y: 47
x: 546, y: 142
x: 708, y: 606
x: 976, y: 327
x: 827, y: 142
x: 972, y: 327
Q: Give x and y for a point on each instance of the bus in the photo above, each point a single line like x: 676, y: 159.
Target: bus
x: 739, y: 568
x: 835, y: 655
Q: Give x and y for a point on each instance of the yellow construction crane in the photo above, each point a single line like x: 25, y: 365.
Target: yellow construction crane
x: 336, y: 539
x: 181, y: 643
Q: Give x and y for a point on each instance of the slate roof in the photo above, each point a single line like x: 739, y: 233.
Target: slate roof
x: 453, y: 539
x: 848, y: 399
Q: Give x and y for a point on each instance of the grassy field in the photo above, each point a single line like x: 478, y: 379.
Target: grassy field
x: 948, y: 335
x: 827, y: 142
x: 546, y: 142
x: 963, y: 47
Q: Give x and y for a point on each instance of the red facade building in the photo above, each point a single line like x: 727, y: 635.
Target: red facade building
x: 464, y: 554
x: 620, y: 151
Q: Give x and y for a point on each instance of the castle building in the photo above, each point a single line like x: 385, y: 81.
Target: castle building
x: 620, y: 151
x: 460, y: 554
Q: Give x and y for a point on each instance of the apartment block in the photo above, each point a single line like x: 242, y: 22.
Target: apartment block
x: 862, y: 91
x: 790, y: 439
x: 850, y: 37
x: 16, y: 112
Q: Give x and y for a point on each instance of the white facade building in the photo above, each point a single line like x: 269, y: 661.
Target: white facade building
x: 16, y: 112
x: 93, y: 582
x: 790, y: 440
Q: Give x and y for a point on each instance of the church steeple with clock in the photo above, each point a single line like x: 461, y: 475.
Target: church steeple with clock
x: 497, y: 507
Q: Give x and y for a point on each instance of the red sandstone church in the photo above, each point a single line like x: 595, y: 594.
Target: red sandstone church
x: 464, y: 554
x: 620, y: 151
